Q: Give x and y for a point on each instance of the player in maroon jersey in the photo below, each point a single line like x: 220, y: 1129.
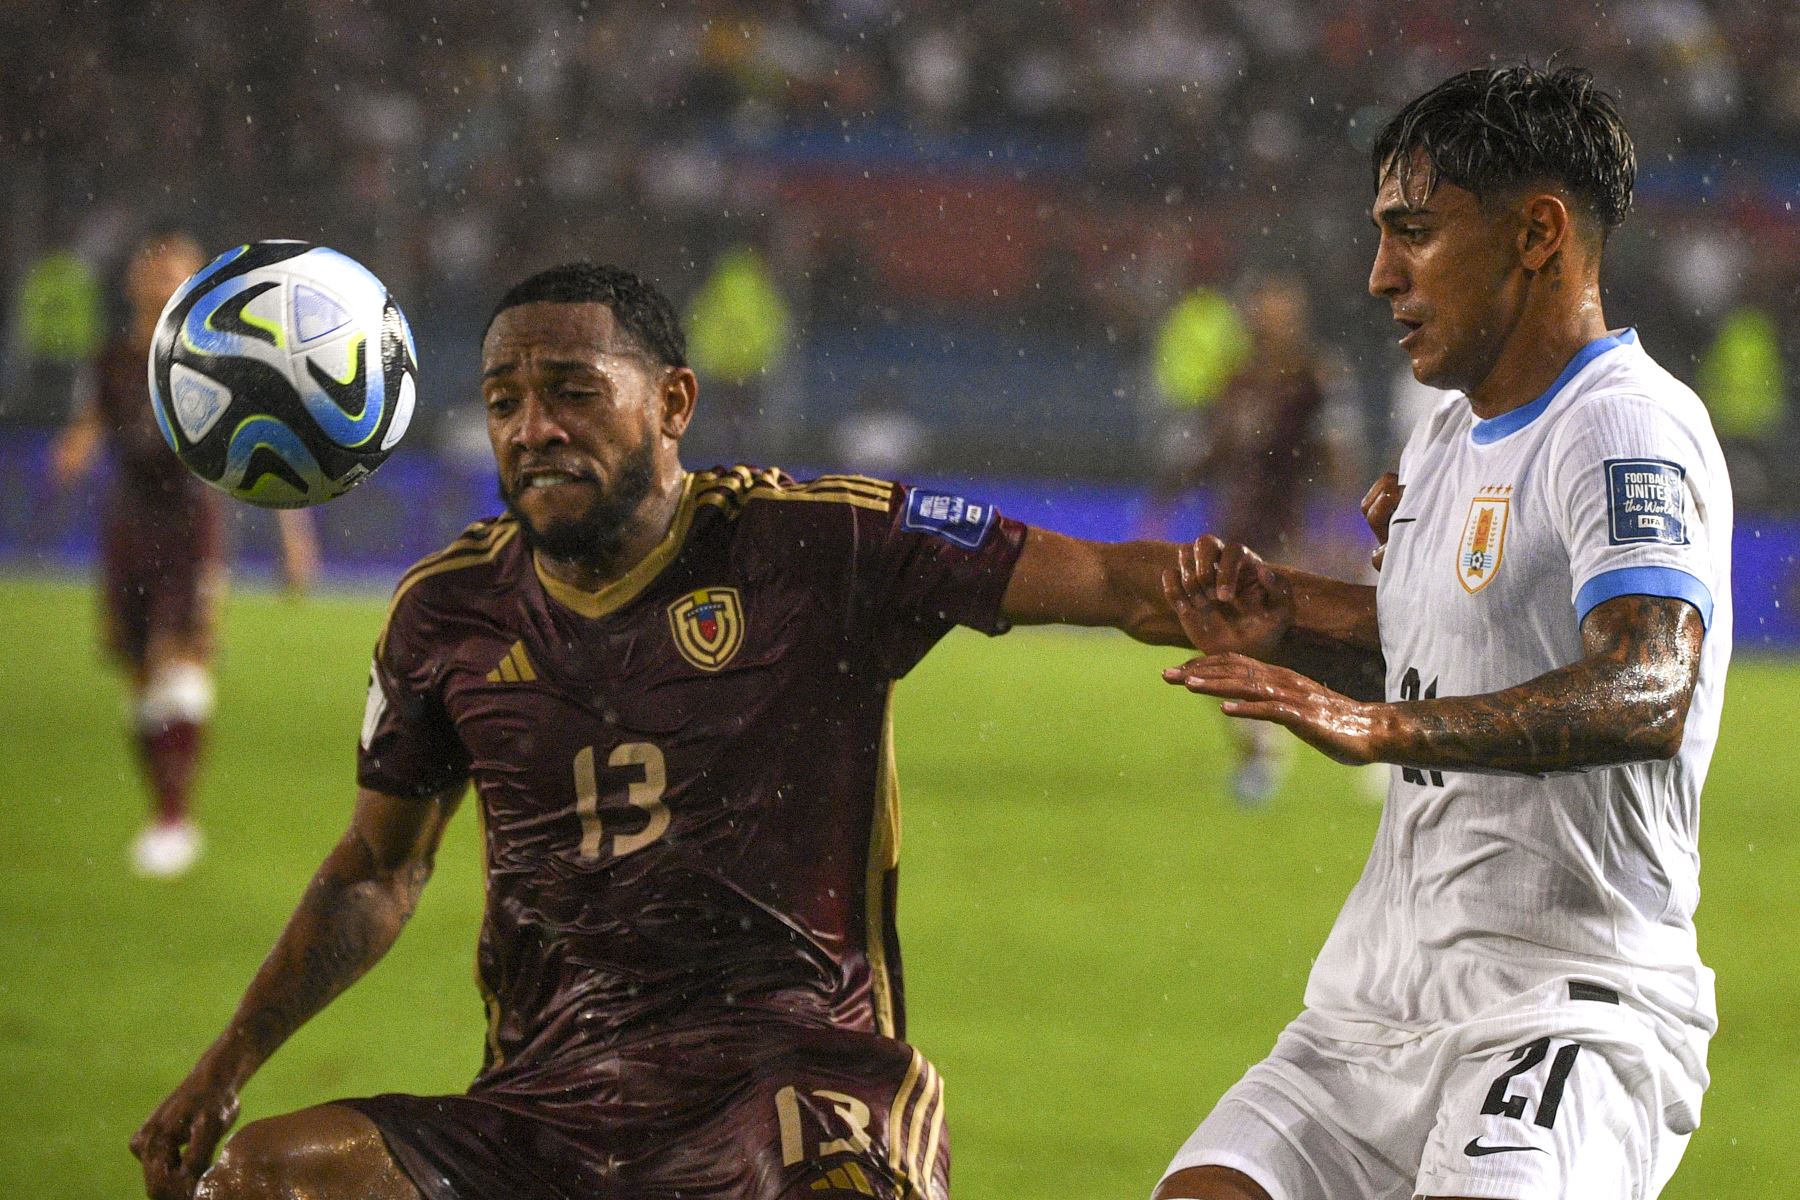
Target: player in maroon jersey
x: 1267, y: 454
x: 161, y: 547
x: 671, y: 692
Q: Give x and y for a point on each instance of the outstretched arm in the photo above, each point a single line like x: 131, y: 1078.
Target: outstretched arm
x: 1230, y: 601
x: 1625, y: 700
x: 1237, y: 602
x: 77, y: 445
x: 1068, y: 581
x: 352, y: 911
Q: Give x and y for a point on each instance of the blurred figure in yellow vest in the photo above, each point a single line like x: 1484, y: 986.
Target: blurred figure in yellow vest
x: 1197, y: 350
x: 737, y: 329
x: 61, y: 324
x: 1742, y: 381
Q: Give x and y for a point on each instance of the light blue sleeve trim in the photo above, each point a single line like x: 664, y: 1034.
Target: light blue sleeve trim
x: 1671, y: 582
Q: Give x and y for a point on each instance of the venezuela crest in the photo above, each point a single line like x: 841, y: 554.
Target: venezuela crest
x: 708, y: 626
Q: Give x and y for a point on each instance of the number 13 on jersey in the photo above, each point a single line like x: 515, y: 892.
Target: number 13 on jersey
x: 640, y: 768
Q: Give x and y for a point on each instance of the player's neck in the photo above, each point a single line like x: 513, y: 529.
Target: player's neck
x: 642, y: 533
x: 1549, y: 333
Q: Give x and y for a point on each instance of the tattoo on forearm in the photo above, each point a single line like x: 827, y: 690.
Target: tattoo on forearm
x: 1625, y: 701
x: 342, y: 928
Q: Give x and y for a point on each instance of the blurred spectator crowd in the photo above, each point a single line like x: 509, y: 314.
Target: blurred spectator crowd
x: 978, y: 215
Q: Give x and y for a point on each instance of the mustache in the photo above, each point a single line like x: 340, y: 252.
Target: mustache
x: 595, y: 535
x: 540, y: 465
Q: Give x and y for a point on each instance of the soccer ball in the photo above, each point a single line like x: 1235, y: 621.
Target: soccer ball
x: 283, y: 373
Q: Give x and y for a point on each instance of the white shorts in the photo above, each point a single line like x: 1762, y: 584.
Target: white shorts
x: 1567, y: 1094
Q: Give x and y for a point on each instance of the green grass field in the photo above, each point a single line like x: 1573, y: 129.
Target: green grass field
x: 1097, y: 942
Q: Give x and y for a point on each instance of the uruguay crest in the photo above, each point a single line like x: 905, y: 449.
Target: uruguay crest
x: 708, y: 626
x: 1483, y: 538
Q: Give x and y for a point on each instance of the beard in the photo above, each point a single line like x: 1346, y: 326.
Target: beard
x: 594, y: 538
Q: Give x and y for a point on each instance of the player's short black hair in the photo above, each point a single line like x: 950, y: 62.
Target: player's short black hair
x: 1496, y: 129
x: 641, y: 310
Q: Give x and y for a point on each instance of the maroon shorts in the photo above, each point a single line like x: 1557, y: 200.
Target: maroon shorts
x: 158, y: 564
x: 765, y: 1111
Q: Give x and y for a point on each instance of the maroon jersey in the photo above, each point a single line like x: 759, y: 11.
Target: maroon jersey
x: 757, y: 1109
x: 148, y: 473
x: 686, y: 778
x: 162, y: 532
x: 1267, y: 453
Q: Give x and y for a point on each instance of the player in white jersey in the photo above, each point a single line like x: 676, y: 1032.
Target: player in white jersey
x: 1511, y: 1005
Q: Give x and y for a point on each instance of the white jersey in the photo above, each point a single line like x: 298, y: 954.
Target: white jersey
x: 1481, y: 887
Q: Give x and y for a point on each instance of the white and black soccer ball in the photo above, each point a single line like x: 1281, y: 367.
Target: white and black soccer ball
x: 283, y: 373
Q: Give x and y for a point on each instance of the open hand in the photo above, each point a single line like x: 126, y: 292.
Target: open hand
x: 1228, y: 600
x: 176, y: 1144
x: 1337, y: 726
x: 1378, y: 509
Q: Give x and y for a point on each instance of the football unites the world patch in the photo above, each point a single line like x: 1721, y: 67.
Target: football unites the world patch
x: 1647, y: 500
x: 950, y: 517
x: 1483, y: 542
x: 708, y: 625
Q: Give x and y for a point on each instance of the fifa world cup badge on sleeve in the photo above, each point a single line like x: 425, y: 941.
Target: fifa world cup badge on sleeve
x: 949, y: 517
x: 1646, y: 499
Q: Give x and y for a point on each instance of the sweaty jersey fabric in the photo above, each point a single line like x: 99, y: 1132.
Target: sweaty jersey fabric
x: 752, y: 1109
x: 685, y: 778
x: 1481, y: 887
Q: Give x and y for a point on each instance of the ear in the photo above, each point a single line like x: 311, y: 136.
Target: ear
x: 1545, y: 229
x: 680, y: 389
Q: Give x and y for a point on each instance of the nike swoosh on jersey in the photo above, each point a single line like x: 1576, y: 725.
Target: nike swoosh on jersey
x: 1475, y: 1149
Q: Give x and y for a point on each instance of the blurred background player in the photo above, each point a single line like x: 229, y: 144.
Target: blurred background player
x: 1198, y: 346
x: 738, y: 325
x: 1265, y: 454
x: 162, y: 556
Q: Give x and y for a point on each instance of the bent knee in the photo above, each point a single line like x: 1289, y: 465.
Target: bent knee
x: 256, y: 1164
x: 319, y: 1153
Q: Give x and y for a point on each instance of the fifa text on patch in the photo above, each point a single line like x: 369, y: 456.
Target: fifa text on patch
x: 949, y: 517
x: 1646, y: 498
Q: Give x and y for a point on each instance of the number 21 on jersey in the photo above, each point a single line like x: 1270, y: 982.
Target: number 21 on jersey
x: 1410, y: 690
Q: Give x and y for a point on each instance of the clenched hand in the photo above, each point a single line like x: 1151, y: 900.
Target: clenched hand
x: 1229, y: 601
x: 176, y: 1144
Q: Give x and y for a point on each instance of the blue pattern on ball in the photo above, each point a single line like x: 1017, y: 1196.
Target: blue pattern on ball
x: 204, y: 339
x: 158, y: 402
x: 205, y: 273
x: 336, y: 423
x: 273, y: 433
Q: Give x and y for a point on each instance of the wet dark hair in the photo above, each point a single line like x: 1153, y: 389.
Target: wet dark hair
x: 640, y: 309
x: 1497, y: 129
